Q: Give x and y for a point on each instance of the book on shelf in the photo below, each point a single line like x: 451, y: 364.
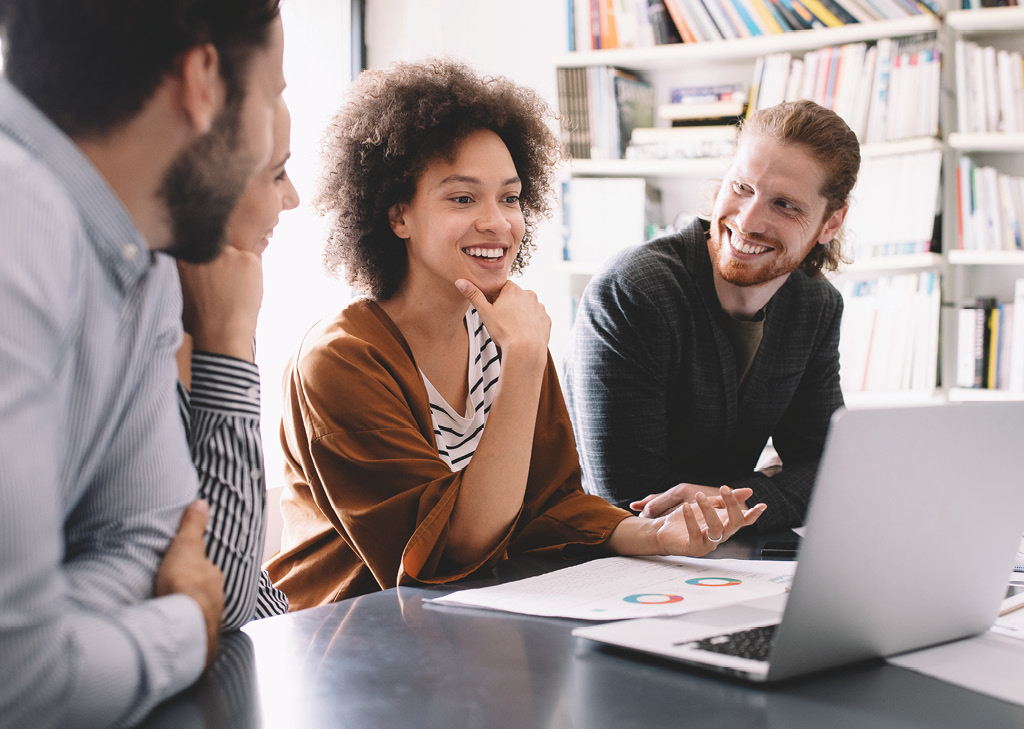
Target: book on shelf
x: 992, y: 83
x: 725, y: 112
x: 768, y: 20
x: 979, y: 4
x: 894, y: 206
x: 603, y: 24
x: 599, y: 107
x: 748, y: 16
x: 707, y: 94
x: 985, y: 350
x: 890, y: 332
x: 723, y: 23
x: 686, y: 24
x: 885, y: 91
x: 663, y: 28
x: 1015, y: 380
x: 706, y: 29
x: 602, y: 215
x: 682, y: 142
x: 990, y: 207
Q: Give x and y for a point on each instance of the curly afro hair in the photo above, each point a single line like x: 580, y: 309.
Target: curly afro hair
x: 395, y: 122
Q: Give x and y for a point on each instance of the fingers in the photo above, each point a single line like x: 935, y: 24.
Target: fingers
x: 475, y: 295
x: 733, y: 511
x: 639, y: 505
x: 715, y: 531
x: 193, y: 522
x: 660, y: 504
x: 693, y: 531
x: 753, y: 514
x: 186, y: 570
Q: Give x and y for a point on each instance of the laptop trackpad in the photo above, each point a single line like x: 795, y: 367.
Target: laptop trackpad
x: 761, y: 611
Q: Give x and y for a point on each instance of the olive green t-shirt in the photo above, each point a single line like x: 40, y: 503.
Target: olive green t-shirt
x: 746, y: 338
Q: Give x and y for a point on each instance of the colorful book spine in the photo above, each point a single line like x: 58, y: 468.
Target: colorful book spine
x: 719, y: 18
x: 793, y: 20
x: 684, y: 25
x: 766, y: 16
x: 746, y: 14
x: 840, y: 12
x: 809, y: 19
x: 779, y: 18
x: 822, y: 13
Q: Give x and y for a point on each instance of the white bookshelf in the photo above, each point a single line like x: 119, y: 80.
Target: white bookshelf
x: 892, y: 398
x: 902, y: 146
x: 678, y: 55
x: 694, y: 167
x: 986, y: 142
x: 882, y: 264
x: 970, y: 394
x: 986, y: 20
x: 958, y: 257
x: 974, y: 273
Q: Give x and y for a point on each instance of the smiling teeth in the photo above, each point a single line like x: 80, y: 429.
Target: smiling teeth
x: 486, y: 252
x: 746, y: 247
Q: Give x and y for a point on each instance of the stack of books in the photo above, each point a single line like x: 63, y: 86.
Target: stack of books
x: 990, y: 343
x: 885, y: 91
x: 990, y: 206
x: 894, y: 207
x: 600, y: 24
x: 989, y: 89
x: 889, y: 337
x: 978, y: 4
x: 599, y: 108
x: 704, y: 123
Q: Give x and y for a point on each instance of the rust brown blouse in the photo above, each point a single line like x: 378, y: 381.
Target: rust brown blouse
x: 368, y: 499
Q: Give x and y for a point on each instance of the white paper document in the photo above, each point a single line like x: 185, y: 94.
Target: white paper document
x: 617, y: 588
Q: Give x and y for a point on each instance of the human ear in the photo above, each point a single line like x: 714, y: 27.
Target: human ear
x: 396, y: 217
x: 202, y: 88
x: 832, y: 225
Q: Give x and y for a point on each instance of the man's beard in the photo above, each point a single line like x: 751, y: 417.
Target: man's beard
x: 750, y: 274
x: 202, y: 187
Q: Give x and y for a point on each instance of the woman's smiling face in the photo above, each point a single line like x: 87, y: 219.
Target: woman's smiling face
x: 465, y: 220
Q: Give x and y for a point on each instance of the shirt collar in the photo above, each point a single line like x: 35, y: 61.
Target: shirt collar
x: 118, y: 243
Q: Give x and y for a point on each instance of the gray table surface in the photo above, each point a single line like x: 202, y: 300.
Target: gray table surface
x: 391, y: 660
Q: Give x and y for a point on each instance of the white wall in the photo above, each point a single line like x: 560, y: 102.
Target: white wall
x: 297, y: 292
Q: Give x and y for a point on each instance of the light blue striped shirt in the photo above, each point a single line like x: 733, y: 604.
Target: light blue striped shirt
x: 94, y: 472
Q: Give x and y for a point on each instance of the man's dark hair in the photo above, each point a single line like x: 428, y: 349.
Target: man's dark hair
x: 92, y: 64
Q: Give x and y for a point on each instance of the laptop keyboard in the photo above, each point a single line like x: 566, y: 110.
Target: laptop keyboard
x: 755, y: 643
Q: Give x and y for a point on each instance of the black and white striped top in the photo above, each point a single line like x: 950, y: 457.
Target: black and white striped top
x: 456, y: 434
x: 222, y: 422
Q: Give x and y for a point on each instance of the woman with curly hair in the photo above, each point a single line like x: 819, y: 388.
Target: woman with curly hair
x: 425, y: 433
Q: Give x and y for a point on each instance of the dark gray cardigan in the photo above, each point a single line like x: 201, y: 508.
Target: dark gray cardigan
x: 651, y: 381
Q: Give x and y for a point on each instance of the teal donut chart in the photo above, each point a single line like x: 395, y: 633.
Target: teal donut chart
x: 714, y: 581
x: 653, y: 598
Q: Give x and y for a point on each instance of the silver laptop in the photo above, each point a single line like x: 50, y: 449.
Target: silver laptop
x: 912, y: 530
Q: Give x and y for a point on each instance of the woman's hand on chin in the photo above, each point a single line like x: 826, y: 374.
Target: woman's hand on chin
x: 515, y: 318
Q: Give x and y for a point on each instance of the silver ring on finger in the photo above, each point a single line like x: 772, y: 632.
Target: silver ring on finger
x: 714, y: 541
